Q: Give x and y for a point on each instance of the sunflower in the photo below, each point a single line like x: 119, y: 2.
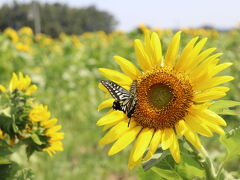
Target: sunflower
x: 173, y: 94
x: 21, y: 83
x: 54, y: 137
x: 40, y: 115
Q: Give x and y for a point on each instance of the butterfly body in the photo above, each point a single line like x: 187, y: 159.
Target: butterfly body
x: 124, y: 100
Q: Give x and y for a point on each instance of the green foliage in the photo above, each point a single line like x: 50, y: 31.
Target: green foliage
x: 57, y: 18
x: 167, y: 174
x: 24, y: 122
x: 7, y: 123
x: 13, y: 171
x: 189, y: 167
x: 222, y: 107
x: 6, y: 150
x: 231, y: 141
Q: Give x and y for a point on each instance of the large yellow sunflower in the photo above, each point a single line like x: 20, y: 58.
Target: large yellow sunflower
x: 173, y: 95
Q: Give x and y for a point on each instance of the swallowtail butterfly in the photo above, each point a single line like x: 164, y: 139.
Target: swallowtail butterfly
x: 124, y: 100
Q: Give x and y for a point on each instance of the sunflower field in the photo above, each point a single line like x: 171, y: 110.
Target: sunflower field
x: 65, y: 71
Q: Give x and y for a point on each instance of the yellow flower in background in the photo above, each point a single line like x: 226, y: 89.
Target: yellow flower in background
x: 201, y: 32
x: 23, y: 47
x: 2, y: 88
x: 57, y: 48
x: 76, y: 41
x: 2, y: 135
x: 161, y: 32
x: 39, y: 36
x: 47, y: 41
x: 40, y: 114
x: 55, y: 137
x: 164, y: 32
x: 172, y: 98
x: 44, y: 39
x: 22, y: 83
x: 87, y: 34
x: 63, y: 36
x: 26, y: 30
x: 12, y: 34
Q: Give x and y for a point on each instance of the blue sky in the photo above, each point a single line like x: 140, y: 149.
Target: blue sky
x: 165, y: 13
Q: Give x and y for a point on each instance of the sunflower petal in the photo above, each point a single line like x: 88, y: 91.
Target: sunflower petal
x: 202, y: 68
x: 115, y: 132
x: 186, y: 51
x: 217, y: 129
x: 208, y: 96
x: 14, y: 82
x: 142, y: 143
x: 142, y: 56
x: 127, y: 67
x: 156, y: 139
x: 180, y: 128
x: 214, y: 127
x: 157, y: 49
x: 219, y: 68
x: 167, y: 138
x: 131, y: 163
x: 196, y: 124
x: 124, y: 140
x: 2, y: 88
x: 211, y: 116
x: 106, y: 104
x: 116, y: 76
x: 173, y: 50
x: 215, y: 81
x: 203, y: 55
x: 111, y: 117
x: 174, y: 149
x: 192, y: 137
x: 107, y: 126
x: 194, y: 54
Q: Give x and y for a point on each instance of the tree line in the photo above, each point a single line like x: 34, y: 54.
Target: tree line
x: 56, y: 18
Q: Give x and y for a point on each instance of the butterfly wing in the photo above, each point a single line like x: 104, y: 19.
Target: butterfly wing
x: 116, y: 91
x: 124, y: 100
x: 130, y: 106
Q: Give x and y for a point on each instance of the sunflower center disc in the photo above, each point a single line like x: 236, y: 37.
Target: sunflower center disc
x: 160, y: 95
x: 163, y: 98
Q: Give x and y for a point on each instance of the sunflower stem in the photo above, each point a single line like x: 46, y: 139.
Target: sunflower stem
x: 220, y: 168
x: 208, y: 165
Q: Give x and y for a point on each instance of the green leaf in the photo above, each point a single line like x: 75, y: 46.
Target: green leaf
x: 167, y: 174
x: 4, y: 161
x: 36, y: 139
x: 146, y: 175
x: 30, y: 150
x: 5, y: 149
x: 6, y: 112
x: 6, y: 123
x: 24, y: 174
x: 8, y: 171
x: 157, y: 157
x: 222, y: 107
x: 12, y: 171
x: 188, y: 168
x: 231, y: 141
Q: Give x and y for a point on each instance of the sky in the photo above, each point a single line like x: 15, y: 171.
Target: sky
x: 164, y: 13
